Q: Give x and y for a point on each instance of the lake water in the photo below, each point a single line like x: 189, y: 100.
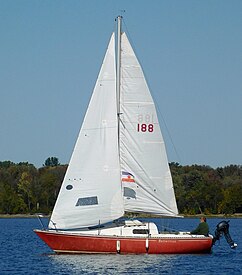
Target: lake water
x: 22, y: 252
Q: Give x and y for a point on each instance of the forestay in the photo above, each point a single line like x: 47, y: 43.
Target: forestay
x: 146, y: 177
x: 91, y: 190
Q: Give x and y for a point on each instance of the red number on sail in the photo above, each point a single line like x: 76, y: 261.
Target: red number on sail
x: 145, y: 127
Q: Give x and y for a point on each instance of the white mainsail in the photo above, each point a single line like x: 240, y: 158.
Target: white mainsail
x: 146, y: 177
x: 91, y: 191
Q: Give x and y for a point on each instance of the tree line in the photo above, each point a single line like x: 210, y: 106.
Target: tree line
x: 25, y: 189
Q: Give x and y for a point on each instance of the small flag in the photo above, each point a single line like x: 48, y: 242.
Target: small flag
x: 127, y: 177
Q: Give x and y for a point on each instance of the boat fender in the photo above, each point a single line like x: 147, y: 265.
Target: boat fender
x: 118, y: 246
x: 147, y: 245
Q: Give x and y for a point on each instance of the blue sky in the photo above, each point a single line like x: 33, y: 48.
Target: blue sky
x: 191, y: 53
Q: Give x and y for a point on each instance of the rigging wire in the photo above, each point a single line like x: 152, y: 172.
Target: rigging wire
x: 168, y: 132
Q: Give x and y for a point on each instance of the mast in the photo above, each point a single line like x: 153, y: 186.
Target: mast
x: 118, y: 76
x: 119, y: 26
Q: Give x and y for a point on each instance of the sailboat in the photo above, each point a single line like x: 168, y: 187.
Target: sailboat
x: 119, y: 164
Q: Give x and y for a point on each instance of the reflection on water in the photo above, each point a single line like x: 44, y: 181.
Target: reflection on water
x: 114, y: 264
x: 144, y: 264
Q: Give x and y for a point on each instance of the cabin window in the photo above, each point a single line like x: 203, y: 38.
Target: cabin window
x: 141, y: 231
x: 87, y: 201
x: 69, y: 187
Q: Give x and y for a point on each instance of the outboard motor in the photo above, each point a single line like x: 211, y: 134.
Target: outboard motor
x: 223, y: 229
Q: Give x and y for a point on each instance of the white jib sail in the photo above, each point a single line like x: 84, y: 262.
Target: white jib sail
x: 146, y: 177
x: 91, y: 191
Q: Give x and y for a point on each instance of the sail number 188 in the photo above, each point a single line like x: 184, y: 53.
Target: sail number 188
x: 145, y: 123
x: 145, y: 127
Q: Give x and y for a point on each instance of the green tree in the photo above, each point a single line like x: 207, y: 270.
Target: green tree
x: 10, y: 202
x: 232, y: 198
x: 24, y: 188
x: 52, y: 161
x: 50, y: 179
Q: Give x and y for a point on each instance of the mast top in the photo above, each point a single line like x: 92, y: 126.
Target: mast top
x: 119, y: 19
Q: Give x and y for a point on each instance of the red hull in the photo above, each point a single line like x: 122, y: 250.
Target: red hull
x: 69, y: 243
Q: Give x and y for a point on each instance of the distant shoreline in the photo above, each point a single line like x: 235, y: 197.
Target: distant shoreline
x: 11, y: 216
x: 237, y: 215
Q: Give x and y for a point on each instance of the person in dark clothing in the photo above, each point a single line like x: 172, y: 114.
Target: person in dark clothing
x: 202, y: 228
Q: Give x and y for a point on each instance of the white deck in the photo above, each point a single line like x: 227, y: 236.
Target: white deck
x: 133, y: 228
